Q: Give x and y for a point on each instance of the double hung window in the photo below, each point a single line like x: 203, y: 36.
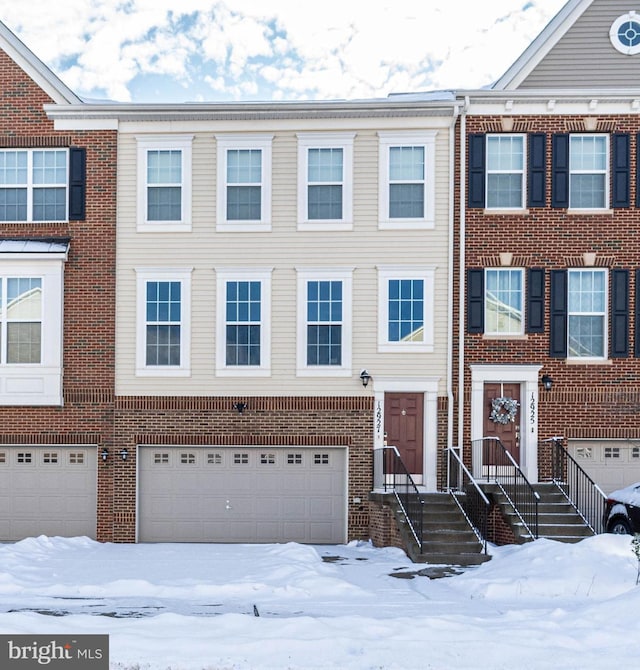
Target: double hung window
x: 244, y: 183
x: 243, y: 322
x: 164, y: 307
x: 325, y: 187
x: 504, y: 301
x: 588, y: 171
x: 505, y: 173
x: 407, y: 190
x: 164, y: 183
x: 405, y: 321
x: 34, y: 184
x: 587, y: 310
x: 324, y: 322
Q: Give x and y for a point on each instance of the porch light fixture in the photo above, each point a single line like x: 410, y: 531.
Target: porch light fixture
x: 104, y: 454
x: 124, y: 454
x: 547, y: 382
x: 365, y: 378
x: 239, y: 406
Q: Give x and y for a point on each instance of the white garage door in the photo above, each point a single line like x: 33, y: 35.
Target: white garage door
x: 47, y: 491
x: 242, y: 494
x: 612, y: 464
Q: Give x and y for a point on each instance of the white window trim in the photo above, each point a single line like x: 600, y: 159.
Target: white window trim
x: 523, y: 293
x: 606, y: 171
x: 182, y: 275
x: 224, y: 144
x: 605, y: 318
x: 345, y: 275
x: 164, y: 143
x: 427, y: 274
x: 30, y: 186
x: 224, y: 275
x: 38, y: 383
x: 522, y: 173
x: 402, y: 138
x: 342, y: 141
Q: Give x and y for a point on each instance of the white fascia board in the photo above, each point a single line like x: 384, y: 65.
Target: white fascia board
x: 86, y: 124
x: 541, y: 45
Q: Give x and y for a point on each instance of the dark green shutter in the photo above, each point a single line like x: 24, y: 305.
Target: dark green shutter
x: 619, y: 347
x: 621, y: 169
x: 476, y: 185
x: 560, y: 171
x: 558, y: 315
x: 475, y: 301
x: 536, y: 177
x: 77, y: 183
x: 535, y: 301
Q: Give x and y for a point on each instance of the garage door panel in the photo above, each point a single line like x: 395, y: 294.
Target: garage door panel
x: 242, y: 494
x: 612, y: 464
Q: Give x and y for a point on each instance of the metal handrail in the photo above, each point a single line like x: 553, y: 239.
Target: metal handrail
x: 584, y: 495
x: 474, y: 504
x: 390, y: 472
x: 499, y: 466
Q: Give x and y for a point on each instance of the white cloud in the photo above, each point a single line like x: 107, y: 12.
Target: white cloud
x: 281, y: 49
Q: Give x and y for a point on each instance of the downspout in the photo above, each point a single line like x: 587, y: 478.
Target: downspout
x: 451, y: 273
x: 462, y: 267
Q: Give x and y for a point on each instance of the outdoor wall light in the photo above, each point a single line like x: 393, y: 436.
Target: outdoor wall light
x: 104, y: 454
x: 124, y: 454
x: 547, y: 382
x: 239, y: 406
x: 365, y: 378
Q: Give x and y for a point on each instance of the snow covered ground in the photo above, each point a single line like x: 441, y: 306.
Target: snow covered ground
x: 193, y: 607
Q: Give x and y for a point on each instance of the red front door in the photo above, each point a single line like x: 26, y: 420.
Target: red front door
x: 508, y: 431
x: 403, y: 422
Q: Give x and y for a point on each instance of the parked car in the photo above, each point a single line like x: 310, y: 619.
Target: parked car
x: 622, y: 511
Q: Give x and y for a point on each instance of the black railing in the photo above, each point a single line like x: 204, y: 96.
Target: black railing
x: 579, y: 489
x: 391, y: 474
x: 499, y: 467
x: 467, y: 495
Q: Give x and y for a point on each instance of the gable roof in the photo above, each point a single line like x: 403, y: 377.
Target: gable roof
x: 59, y: 92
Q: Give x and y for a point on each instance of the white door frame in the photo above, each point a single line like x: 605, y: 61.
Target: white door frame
x: 429, y: 387
x: 527, y: 377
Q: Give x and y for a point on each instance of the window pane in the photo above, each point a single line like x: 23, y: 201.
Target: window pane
x: 24, y: 298
x: 244, y: 166
x: 505, y: 153
x: 24, y: 342
x: 406, y: 201
x: 504, y: 302
x: 587, y: 191
x: 325, y: 165
x: 588, y: 153
x: 586, y: 336
x: 244, y: 203
x: 163, y: 345
x: 325, y: 202
x: 406, y: 310
x: 13, y: 204
x: 49, y: 204
x: 164, y: 203
x: 50, y: 167
x: 13, y: 167
x: 324, y: 345
x: 164, y: 167
x: 504, y: 190
x: 406, y: 163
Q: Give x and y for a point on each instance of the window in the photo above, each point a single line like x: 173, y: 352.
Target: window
x: 587, y: 307
x: 505, y: 172
x: 243, y: 322
x: 504, y: 301
x: 76, y: 458
x: 407, y: 190
x: 187, y: 458
x: 294, y: 459
x: 405, y: 319
x: 241, y: 459
x: 164, y: 306
x: 34, y: 184
x: 588, y: 173
x: 325, y: 181
x: 161, y: 458
x: 164, y: 183
x: 244, y: 183
x: 31, y: 290
x: 324, y: 322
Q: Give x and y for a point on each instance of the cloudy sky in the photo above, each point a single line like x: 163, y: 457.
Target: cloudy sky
x: 224, y: 50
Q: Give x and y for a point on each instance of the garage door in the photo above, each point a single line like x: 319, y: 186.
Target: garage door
x: 47, y: 491
x: 242, y: 494
x: 612, y: 464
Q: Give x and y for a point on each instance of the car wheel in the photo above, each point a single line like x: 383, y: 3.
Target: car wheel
x: 619, y: 526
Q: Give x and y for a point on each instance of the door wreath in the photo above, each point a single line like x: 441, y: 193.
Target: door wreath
x: 503, y: 410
